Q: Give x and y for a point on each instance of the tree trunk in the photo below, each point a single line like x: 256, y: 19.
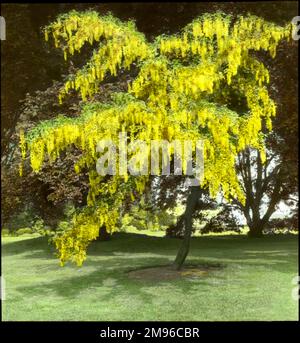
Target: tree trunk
x: 103, y: 234
x: 185, y: 245
x: 255, y: 230
x: 255, y: 187
x: 176, y: 230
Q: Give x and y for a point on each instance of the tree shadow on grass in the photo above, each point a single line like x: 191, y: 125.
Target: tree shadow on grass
x: 129, y: 242
x: 36, y: 244
x: 122, y: 243
x: 111, y: 279
x: 116, y: 286
x: 277, y: 253
x: 71, y: 287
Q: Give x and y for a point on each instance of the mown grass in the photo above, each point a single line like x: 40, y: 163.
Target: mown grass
x: 255, y: 283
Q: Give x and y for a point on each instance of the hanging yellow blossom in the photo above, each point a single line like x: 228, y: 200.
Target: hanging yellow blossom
x: 183, y: 84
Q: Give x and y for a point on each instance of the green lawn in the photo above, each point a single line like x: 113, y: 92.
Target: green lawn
x: 256, y: 283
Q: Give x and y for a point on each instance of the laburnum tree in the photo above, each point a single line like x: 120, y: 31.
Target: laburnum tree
x: 181, y: 91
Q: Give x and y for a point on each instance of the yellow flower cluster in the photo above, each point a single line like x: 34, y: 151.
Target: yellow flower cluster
x: 22, y: 145
x: 192, y: 81
x: 156, y: 91
x: 73, y: 243
x: 121, y: 45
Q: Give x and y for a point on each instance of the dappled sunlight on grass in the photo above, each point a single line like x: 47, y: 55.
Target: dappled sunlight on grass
x: 255, y: 283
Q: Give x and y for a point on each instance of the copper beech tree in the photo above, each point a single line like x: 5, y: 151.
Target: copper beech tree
x: 181, y: 91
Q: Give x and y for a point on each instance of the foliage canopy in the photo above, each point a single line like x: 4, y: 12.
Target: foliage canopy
x: 183, y: 88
